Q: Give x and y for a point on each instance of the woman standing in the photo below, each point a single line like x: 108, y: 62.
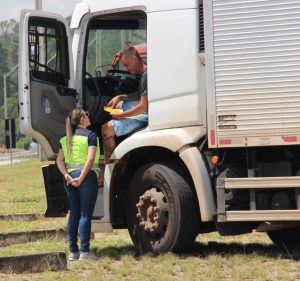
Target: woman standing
x: 77, y: 160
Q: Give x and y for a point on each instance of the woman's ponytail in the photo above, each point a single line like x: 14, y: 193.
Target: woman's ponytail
x: 72, y: 122
x: 69, y: 134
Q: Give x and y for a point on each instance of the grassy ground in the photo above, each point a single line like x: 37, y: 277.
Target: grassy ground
x: 21, y: 188
x: 246, y: 257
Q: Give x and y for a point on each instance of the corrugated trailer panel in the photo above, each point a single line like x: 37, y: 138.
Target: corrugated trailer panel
x: 254, y: 63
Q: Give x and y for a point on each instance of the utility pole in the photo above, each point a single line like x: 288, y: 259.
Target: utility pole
x: 98, y: 48
x: 5, y: 75
x: 38, y: 4
x: 5, y: 95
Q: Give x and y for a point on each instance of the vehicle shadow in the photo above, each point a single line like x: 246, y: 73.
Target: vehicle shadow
x: 204, y: 250
x: 234, y: 248
x: 116, y: 252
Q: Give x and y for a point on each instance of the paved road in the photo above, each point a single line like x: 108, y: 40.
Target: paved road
x: 8, y: 162
x: 7, y: 158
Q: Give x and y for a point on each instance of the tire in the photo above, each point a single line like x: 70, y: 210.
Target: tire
x: 163, y: 211
x: 289, y: 237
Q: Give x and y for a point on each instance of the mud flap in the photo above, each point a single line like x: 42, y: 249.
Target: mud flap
x: 57, y: 200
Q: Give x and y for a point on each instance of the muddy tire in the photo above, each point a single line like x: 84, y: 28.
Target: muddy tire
x: 163, y: 211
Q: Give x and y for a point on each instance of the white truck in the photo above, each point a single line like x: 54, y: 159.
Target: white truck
x: 221, y: 150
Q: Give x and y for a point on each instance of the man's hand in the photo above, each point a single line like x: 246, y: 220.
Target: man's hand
x: 114, y: 101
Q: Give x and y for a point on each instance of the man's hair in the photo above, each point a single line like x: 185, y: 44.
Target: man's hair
x: 129, y: 52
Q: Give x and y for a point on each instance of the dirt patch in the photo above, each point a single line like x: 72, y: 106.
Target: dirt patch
x: 19, y: 237
x: 2, y: 180
x: 34, y: 263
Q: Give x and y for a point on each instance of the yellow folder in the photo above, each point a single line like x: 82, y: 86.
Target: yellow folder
x: 110, y: 109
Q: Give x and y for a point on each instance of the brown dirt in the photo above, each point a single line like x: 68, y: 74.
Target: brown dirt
x: 2, y: 180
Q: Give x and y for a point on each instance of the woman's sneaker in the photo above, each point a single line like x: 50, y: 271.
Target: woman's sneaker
x: 74, y: 256
x: 88, y: 256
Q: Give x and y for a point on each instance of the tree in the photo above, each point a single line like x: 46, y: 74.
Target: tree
x: 7, y: 27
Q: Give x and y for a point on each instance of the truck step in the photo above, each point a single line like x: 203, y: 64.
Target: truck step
x: 253, y: 184
x: 260, y: 215
x: 262, y: 183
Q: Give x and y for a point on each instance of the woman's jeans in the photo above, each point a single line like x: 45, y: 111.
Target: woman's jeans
x: 82, y: 201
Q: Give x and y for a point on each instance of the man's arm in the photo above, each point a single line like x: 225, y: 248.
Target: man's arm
x: 141, y: 107
x: 115, y: 101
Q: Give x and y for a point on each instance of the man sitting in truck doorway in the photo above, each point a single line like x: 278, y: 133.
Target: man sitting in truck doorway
x: 135, y: 109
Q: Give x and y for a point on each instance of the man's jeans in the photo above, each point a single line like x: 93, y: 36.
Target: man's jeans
x: 127, y: 125
x: 82, y: 201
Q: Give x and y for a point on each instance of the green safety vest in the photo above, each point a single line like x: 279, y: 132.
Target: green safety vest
x: 79, y: 152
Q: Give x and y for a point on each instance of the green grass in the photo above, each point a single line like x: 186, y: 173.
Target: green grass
x: 247, y: 257
x: 21, y: 188
x: 42, y: 223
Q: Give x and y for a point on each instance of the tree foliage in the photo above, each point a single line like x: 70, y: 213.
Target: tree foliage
x: 8, y: 59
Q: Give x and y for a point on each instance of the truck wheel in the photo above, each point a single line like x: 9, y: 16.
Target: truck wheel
x: 289, y: 237
x: 163, y: 211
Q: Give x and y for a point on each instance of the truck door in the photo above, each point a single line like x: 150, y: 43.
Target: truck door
x: 46, y: 78
x: 46, y: 92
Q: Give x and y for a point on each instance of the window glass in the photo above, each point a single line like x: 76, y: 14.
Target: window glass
x: 106, y: 40
x: 48, y: 51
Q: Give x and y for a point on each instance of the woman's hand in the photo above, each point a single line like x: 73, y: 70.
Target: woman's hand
x: 69, y: 179
x: 87, y: 166
x: 77, y: 181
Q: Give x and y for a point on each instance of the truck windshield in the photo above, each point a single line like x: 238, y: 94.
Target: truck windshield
x: 106, y: 38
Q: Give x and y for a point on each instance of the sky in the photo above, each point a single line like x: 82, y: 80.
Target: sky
x: 10, y: 9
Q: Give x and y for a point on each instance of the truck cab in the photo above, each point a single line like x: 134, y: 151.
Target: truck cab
x: 57, y: 75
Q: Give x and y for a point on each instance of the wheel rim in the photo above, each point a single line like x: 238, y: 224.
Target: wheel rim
x: 153, y: 212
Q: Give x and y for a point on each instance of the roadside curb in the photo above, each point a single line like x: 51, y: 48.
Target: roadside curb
x: 20, y: 237
x: 19, y: 217
x: 33, y: 263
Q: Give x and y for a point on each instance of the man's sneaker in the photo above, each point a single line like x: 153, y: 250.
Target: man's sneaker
x: 73, y: 256
x: 88, y: 256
